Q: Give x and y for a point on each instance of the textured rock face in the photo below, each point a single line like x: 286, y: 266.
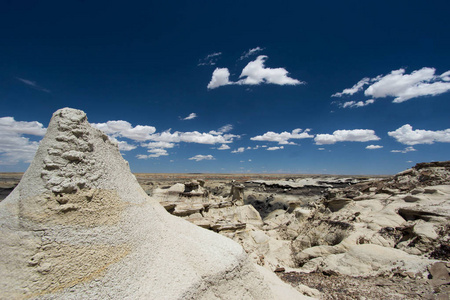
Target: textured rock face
x: 79, y: 226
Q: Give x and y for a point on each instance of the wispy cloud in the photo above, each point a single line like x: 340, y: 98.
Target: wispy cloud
x: 283, y: 137
x: 238, y: 150
x: 254, y: 73
x: 190, y: 117
x: 356, y: 135
x: 401, y: 86
x: 250, y: 52
x: 354, y: 104
x: 373, y: 147
x: 406, y: 150
x: 275, y: 148
x: 200, y: 157
x: 210, y: 59
x: 33, y: 84
x: 406, y: 135
x: 354, y: 89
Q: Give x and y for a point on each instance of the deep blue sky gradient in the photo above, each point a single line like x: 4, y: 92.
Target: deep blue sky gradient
x: 138, y: 61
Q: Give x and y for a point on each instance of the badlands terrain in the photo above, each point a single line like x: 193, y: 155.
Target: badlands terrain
x: 80, y: 225
x: 302, y: 227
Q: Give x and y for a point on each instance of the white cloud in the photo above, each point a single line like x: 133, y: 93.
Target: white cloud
x: 124, y: 129
x: 238, y: 150
x: 154, y: 153
x: 250, y: 52
x: 256, y: 73
x: 191, y: 116
x: 220, y: 77
x: 224, y: 147
x: 210, y: 59
x: 152, y: 145
x: 124, y: 146
x: 33, y: 84
x: 373, y: 147
x: 275, y: 148
x: 200, y: 157
x: 403, y: 86
x: 193, y: 137
x: 14, y: 147
x: 321, y: 149
x: 406, y: 150
x: 406, y: 135
x: 353, y: 104
x: 223, y: 129
x: 284, y: 137
x: 354, y: 89
x: 356, y: 135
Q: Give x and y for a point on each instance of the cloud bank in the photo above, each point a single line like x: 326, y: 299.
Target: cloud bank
x: 14, y: 146
x: 284, y: 137
x: 356, y: 135
x: 401, y: 86
x: 200, y: 157
x: 406, y: 135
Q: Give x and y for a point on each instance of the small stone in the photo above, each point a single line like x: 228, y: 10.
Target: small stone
x: 410, y: 198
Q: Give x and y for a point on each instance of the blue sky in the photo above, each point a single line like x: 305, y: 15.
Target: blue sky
x: 339, y: 87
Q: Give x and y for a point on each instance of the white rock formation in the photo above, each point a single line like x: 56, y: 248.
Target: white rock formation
x: 78, y: 226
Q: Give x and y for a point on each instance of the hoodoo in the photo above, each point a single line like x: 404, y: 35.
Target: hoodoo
x: 79, y: 226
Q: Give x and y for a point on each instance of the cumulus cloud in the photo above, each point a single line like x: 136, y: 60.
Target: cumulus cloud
x: 200, y: 157
x: 14, y: 146
x: 373, y: 147
x: 224, y: 147
x: 354, y: 89
x: 210, y: 59
x: 275, y: 148
x: 33, y: 84
x: 353, y: 104
x: 193, y: 137
x: 356, y: 135
x: 406, y: 150
x: 250, y: 52
x: 154, y: 153
x: 256, y: 73
x: 284, y: 137
x: 238, y: 150
x: 401, y: 86
x: 152, y: 145
x: 220, y: 77
x: 406, y: 135
x: 124, y: 129
x: 191, y: 116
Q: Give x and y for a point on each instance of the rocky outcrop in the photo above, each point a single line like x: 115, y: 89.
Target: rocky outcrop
x: 78, y: 226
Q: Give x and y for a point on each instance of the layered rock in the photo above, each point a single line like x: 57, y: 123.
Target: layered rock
x: 78, y: 225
